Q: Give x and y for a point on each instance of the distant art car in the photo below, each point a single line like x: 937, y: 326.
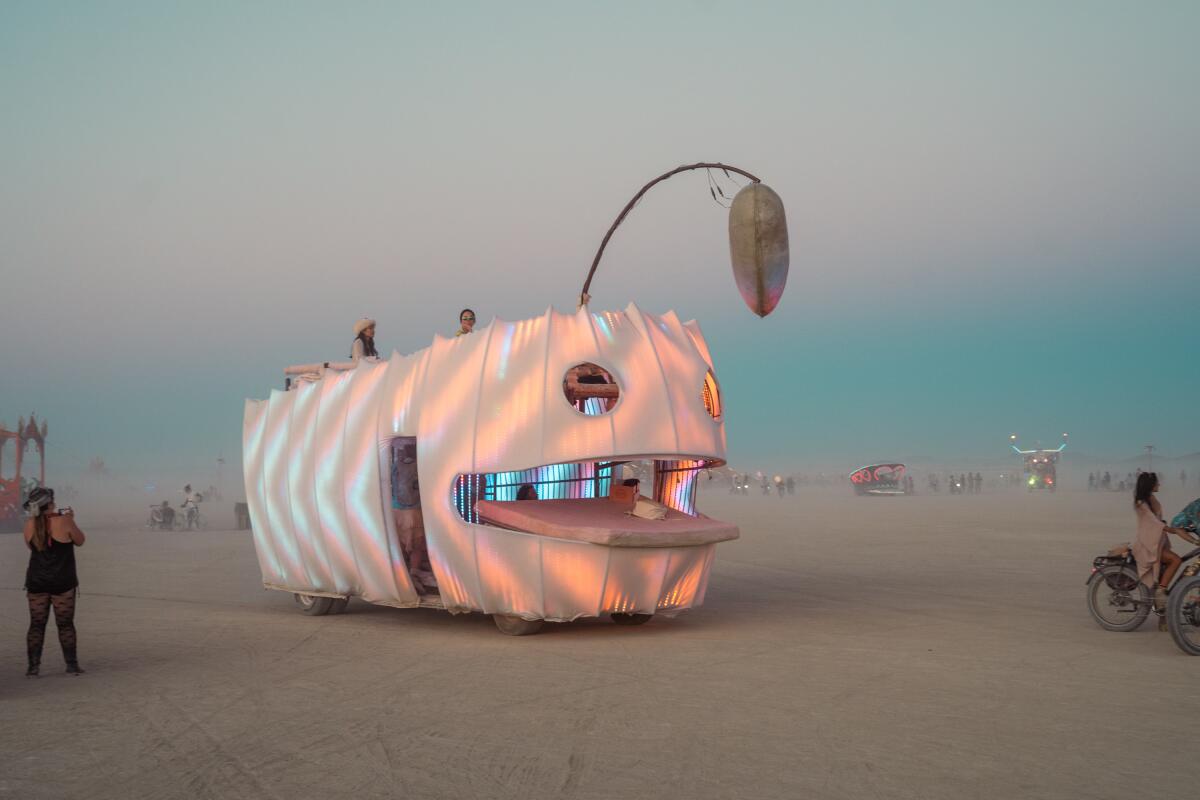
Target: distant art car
x: 879, y: 479
x: 1040, y: 465
x: 558, y: 403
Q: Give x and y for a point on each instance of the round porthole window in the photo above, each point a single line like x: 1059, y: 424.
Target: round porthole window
x: 591, y: 389
x: 712, y: 395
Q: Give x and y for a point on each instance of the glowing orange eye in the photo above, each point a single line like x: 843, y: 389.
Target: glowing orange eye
x: 712, y: 395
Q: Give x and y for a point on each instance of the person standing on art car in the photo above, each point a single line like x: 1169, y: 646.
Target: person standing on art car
x: 50, y: 579
x: 1156, y: 562
x: 364, y: 340
x: 466, y: 322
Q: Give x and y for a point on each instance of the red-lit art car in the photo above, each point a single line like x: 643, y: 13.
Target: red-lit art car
x: 880, y: 479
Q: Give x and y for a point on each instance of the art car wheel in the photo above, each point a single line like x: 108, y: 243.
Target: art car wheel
x: 1183, y: 615
x: 516, y: 626
x: 631, y: 619
x: 1117, y: 600
x: 315, y: 606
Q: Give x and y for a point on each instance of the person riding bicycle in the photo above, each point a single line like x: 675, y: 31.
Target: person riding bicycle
x: 1156, y: 561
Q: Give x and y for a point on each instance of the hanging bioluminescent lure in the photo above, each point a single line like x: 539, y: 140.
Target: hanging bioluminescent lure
x: 758, y: 239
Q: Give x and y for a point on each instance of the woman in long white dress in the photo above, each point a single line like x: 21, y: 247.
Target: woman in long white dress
x: 1156, y: 561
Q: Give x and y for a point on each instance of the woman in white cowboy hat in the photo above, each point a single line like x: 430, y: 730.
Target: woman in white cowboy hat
x: 364, y: 340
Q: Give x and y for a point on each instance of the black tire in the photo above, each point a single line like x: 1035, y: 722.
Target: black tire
x: 516, y: 626
x: 631, y: 619
x: 1117, y: 600
x: 315, y: 606
x: 1183, y: 615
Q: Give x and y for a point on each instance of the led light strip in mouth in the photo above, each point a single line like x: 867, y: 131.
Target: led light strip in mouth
x: 674, y: 484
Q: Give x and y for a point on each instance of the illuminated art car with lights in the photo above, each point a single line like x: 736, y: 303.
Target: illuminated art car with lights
x: 879, y: 479
x: 559, y: 403
x: 1040, y: 465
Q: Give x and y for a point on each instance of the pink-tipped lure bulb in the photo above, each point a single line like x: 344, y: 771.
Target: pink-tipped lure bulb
x: 758, y: 246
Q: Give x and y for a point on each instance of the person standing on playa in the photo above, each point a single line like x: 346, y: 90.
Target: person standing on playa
x: 364, y: 340
x: 50, y: 579
x: 1156, y: 562
x: 466, y: 322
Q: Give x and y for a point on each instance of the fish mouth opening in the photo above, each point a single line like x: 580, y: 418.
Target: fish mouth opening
x: 576, y: 492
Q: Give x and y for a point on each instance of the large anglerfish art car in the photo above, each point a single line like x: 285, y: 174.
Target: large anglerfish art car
x: 499, y: 457
x: 488, y: 413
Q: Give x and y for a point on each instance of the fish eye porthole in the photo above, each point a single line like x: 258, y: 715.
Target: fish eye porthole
x: 591, y: 389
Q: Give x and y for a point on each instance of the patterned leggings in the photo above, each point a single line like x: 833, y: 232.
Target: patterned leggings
x: 64, y: 618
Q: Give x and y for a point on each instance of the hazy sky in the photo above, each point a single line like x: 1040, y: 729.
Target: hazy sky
x: 994, y: 208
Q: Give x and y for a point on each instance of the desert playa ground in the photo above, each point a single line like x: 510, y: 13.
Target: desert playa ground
x: 924, y: 647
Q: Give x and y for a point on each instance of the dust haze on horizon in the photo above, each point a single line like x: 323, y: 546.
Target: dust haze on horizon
x: 993, y: 212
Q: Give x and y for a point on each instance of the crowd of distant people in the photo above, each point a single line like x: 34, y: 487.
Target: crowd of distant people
x: 961, y: 483
x: 1108, y: 481
x: 952, y: 483
x: 740, y: 483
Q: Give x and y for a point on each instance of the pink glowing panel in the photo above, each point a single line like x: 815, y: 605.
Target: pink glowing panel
x: 449, y: 554
x: 509, y: 425
x: 635, y: 576
x: 686, y: 573
x: 510, y: 573
x: 361, y: 482
x: 644, y: 421
x: 567, y: 431
x: 449, y: 402
x: 398, y: 408
x: 278, y: 497
x: 253, y: 430
x: 330, y: 496
x: 704, y: 574
x: 685, y: 369
x: 573, y: 579
x: 302, y: 485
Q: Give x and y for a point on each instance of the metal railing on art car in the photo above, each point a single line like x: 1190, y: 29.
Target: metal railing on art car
x: 573, y: 481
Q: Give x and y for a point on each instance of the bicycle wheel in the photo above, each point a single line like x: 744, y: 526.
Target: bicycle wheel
x: 1117, y: 600
x: 1183, y: 615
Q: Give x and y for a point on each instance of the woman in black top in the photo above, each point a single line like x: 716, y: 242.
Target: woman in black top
x: 50, y: 580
